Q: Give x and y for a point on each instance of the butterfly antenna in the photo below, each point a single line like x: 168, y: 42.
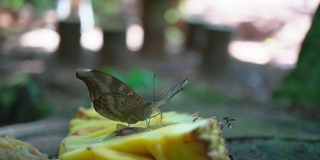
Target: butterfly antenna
x: 148, y: 119
x: 154, y: 93
x: 154, y: 98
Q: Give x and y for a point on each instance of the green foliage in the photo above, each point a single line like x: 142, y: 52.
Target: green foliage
x: 109, y: 7
x: 114, y: 72
x: 172, y: 15
x: 8, y: 93
x: 303, y: 83
x: 20, y: 99
x: 135, y: 78
x: 14, y: 4
x: 140, y: 78
x: 39, y: 5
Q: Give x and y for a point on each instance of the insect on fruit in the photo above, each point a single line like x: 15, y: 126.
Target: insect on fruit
x: 116, y: 101
x: 229, y: 121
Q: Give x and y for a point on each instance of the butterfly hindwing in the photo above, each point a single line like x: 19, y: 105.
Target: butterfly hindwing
x: 119, y: 107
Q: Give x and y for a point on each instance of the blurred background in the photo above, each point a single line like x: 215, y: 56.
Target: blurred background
x: 246, y: 59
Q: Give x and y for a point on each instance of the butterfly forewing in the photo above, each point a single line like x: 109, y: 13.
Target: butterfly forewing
x: 100, y: 82
x: 111, y: 97
x: 163, y: 98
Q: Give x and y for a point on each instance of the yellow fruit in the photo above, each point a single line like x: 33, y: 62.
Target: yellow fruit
x: 11, y: 148
x: 184, y: 136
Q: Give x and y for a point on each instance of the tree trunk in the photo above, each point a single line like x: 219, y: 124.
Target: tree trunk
x: 69, y: 47
x: 154, y: 25
x: 303, y: 83
x: 114, y: 46
x: 215, y: 56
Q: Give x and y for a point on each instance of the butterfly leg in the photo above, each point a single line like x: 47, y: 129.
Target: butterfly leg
x: 148, y: 120
x: 148, y: 123
x: 159, y: 112
x: 160, y: 117
x: 155, y: 115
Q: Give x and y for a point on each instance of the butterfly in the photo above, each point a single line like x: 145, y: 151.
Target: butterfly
x: 115, y: 100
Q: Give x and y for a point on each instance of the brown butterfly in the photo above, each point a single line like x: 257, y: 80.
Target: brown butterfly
x: 116, y: 101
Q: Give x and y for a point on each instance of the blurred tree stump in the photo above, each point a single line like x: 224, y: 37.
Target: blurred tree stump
x: 114, y: 46
x: 194, y: 36
x: 215, y: 55
x: 69, y: 47
x: 303, y: 83
x: 154, y: 25
x: 211, y: 42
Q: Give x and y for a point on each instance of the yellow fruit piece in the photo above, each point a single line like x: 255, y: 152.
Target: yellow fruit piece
x: 11, y: 148
x: 184, y: 136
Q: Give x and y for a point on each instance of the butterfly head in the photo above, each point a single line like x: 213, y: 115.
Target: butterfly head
x: 149, y: 108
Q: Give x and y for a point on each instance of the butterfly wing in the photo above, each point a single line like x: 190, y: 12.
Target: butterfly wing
x: 119, y: 108
x: 111, y: 97
x: 163, y: 98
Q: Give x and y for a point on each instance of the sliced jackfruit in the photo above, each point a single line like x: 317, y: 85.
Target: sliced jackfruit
x: 184, y: 136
